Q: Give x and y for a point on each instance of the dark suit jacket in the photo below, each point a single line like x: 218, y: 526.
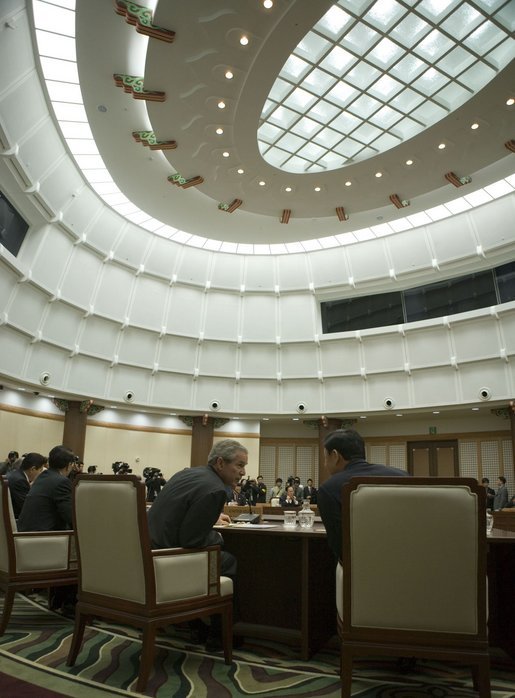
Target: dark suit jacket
x: 48, y: 505
x: 19, y: 488
x: 329, y: 497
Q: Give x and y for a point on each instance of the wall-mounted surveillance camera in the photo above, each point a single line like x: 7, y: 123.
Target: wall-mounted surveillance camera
x: 44, y: 378
x: 485, y: 394
x: 129, y: 396
x: 302, y: 407
x: 214, y: 405
x: 388, y: 403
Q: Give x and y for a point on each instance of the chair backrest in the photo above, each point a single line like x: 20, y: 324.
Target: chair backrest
x: 113, y: 545
x: 7, y: 526
x: 414, y: 555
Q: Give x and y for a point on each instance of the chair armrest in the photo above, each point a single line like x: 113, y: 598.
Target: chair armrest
x: 38, y: 551
x: 186, y: 573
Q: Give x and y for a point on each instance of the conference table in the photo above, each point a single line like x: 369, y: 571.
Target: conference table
x: 286, y: 585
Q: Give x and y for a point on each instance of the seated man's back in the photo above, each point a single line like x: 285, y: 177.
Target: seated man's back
x: 48, y: 505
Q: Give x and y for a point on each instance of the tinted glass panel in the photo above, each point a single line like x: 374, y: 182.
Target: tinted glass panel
x: 450, y: 297
x: 360, y: 313
x: 12, y: 226
x: 505, y: 276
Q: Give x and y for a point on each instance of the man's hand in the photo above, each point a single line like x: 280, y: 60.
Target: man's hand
x: 223, y: 520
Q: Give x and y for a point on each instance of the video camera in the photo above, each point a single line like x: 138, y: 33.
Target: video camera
x: 149, y: 473
x: 121, y: 468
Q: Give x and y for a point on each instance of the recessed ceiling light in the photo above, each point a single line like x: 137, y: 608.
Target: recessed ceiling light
x: 262, y: 183
x: 317, y: 188
x: 363, y: 416
x: 441, y: 146
x: 221, y: 105
x: 348, y: 184
x: 267, y: 4
x: 244, y: 40
x: 475, y: 409
x: 288, y: 189
x: 409, y: 162
x: 225, y: 154
x: 219, y: 131
x: 229, y: 75
x: 266, y: 419
x: 398, y: 415
x: 295, y: 419
x: 474, y: 126
x: 102, y: 108
x: 436, y: 412
x: 510, y: 102
x: 240, y: 171
x: 379, y: 174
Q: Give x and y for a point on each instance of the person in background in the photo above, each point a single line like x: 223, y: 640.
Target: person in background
x: 310, y: 492
x: 298, y: 489
x: 261, y: 490
x: 278, y: 489
x: 288, y: 499
x: 92, y: 469
x: 8, y: 463
x: 238, y: 497
x: 344, y: 456
x: 490, y: 493
x: 78, y: 468
x: 501, y: 496
x: 21, y: 479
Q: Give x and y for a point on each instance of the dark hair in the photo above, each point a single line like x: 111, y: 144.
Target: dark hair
x: 485, y: 479
x: 33, y: 460
x: 59, y: 457
x: 347, y: 442
x: 502, y: 479
x: 13, y: 455
x: 92, y: 469
x: 279, y: 479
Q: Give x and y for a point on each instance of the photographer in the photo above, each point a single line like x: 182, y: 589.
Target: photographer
x: 154, y: 481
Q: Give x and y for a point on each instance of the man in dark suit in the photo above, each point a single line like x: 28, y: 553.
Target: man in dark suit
x: 20, y: 480
x: 48, y: 505
x: 310, y: 492
x: 344, y: 453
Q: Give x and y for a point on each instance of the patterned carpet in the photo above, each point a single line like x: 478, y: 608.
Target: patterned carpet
x: 33, y: 654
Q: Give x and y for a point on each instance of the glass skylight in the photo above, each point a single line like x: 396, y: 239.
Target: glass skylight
x: 317, y: 130
x: 397, y: 68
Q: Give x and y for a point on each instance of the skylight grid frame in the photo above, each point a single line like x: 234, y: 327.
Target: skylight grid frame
x: 381, y: 137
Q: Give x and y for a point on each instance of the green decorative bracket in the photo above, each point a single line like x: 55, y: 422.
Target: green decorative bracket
x: 149, y: 139
x: 141, y: 18
x: 184, y: 183
x: 132, y: 84
x: 229, y: 208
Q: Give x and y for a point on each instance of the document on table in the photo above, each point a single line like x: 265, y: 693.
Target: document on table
x: 247, y: 525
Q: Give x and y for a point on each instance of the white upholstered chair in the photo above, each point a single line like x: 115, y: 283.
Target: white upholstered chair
x: 121, y: 578
x: 412, y: 582
x: 32, y: 560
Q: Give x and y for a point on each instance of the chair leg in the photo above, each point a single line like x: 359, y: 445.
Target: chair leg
x: 481, y: 678
x: 346, y: 673
x: 146, y: 661
x: 78, y: 634
x: 227, y: 633
x: 8, y: 607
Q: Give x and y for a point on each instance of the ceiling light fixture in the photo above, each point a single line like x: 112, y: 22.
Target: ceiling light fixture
x: 348, y: 184
x: 510, y: 102
x: 262, y: 183
x: 409, y: 162
x: 379, y: 174
x: 219, y: 131
x: 474, y: 126
x: 221, y: 105
x: 240, y: 171
x: 229, y: 75
x: 288, y: 189
x: 225, y: 154
x: 317, y: 188
x: 268, y: 4
x: 441, y: 146
x: 244, y: 40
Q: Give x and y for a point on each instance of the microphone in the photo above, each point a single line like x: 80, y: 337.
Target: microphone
x: 250, y: 517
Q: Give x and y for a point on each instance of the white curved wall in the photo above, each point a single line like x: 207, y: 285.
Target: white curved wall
x: 106, y: 308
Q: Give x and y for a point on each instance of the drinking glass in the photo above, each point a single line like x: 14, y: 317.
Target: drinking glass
x: 290, y: 519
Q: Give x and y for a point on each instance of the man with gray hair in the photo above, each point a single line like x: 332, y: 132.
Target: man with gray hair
x: 192, y: 501
x: 189, y: 505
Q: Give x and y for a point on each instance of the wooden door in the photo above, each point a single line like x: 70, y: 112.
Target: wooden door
x: 433, y: 458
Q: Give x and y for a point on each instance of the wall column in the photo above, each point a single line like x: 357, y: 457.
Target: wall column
x: 74, y: 431
x: 511, y: 412
x: 202, y: 430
